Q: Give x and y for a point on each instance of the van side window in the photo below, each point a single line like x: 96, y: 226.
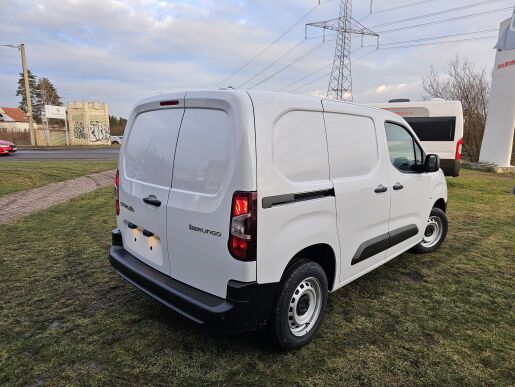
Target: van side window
x: 405, y: 153
x: 433, y: 128
x: 352, y: 144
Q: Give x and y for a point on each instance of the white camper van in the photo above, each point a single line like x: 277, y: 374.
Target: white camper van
x: 244, y: 209
x: 439, y: 126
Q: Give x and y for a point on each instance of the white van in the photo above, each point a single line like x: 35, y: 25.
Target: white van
x: 245, y: 209
x: 438, y: 124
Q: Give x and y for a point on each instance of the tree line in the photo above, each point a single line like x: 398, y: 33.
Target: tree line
x: 42, y: 92
x: 461, y: 81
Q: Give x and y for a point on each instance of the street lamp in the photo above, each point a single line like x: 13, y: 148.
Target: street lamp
x: 21, y: 47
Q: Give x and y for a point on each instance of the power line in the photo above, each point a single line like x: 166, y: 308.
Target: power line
x: 434, y: 37
x: 280, y: 58
x: 445, y: 20
x: 269, y: 46
x: 438, y: 13
x: 395, y: 8
x: 395, y: 45
x: 326, y: 73
x: 313, y: 49
x: 445, y: 42
x: 271, y: 64
x: 309, y: 75
x: 305, y: 77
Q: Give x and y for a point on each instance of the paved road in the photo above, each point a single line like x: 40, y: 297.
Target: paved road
x: 19, y: 204
x: 64, y: 154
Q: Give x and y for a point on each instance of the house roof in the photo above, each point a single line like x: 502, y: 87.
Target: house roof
x: 15, y: 114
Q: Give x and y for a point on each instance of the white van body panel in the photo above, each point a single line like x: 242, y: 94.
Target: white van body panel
x: 410, y: 205
x: 434, y: 108
x: 215, y: 157
x: 286, y: 164
x: 357, y: 160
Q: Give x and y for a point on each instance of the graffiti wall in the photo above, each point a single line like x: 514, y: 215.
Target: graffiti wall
x: 89, y: 123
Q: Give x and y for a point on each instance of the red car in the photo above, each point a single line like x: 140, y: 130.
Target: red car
x: 6, y: 148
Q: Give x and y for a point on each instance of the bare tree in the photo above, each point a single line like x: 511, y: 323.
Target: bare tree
x: 462, y: 81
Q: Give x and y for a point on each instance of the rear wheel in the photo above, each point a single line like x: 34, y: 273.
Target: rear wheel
x: 300, y: 305
x: 434, y: 233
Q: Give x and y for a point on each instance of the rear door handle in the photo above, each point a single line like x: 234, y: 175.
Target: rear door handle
x: 398, y: 186
x: 152, y: 201
x: 380, y: 188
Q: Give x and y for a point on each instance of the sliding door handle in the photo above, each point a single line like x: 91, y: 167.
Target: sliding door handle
x: 398, y: 186
x: 380, y: 188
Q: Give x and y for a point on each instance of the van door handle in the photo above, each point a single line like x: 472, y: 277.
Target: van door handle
x: 398, y: 186
x: 152, y: 201
x: 380, y: 188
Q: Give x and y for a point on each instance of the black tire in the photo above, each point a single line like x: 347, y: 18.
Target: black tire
x: 425, y: 247
x: 303, y: 274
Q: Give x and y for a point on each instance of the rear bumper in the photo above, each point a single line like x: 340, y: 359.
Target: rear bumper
x: 247, y: 306
x: 450, y: 167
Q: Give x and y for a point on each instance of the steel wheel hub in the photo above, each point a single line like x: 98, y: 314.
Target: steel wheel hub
x: 433, y: 232
x: 305, y: 306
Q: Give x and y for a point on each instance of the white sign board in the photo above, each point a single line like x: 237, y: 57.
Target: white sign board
x: 55, y: 112
x: 497, y: 143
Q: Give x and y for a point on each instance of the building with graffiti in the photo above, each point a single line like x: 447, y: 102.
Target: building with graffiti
x: 88, y: 123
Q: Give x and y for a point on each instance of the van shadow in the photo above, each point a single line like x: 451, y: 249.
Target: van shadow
x: 343, y: 304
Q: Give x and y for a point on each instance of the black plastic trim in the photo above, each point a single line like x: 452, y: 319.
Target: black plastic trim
x: 116, y: 237
x: 383, y: 242
x: 271, y: 201
x: 401, y: 234
x: 450, y: 167
x: 371, y: 247
x: 247, y: 306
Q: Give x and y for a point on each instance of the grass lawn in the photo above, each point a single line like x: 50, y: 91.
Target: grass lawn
x: 17, y: 175
x: 437, y: 319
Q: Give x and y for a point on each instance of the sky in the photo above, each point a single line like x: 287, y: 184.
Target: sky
x: 119, y: 51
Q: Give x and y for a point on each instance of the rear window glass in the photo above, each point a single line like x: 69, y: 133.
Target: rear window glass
x: 433, y: 128
x: 203, y: 151
x: 150, y: 146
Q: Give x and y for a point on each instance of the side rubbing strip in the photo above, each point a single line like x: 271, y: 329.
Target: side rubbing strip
x: 382, y: 242
x: 370, y: 248
x: 401, y: 234
x: 271, y: 201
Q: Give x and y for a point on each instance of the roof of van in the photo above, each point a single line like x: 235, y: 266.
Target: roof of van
x: 295, y: 99
x: 431, y: 102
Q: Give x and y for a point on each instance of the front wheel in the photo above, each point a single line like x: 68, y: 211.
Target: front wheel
x: 300, y: 305
x: 434, y: 233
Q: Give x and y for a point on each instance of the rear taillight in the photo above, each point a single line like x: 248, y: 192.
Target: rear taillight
x: 459, y: 146
x: 117, y: 193
x: 242, y: 234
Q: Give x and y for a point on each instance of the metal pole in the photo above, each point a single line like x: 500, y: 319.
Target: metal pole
x: 66, y: 127
x: 27, y: 94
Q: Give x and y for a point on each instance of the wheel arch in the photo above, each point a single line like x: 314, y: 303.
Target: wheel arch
x: 321, y: 253
x: 441, y: 204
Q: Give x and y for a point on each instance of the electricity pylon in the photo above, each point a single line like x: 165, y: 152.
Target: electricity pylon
x: 340, y: 81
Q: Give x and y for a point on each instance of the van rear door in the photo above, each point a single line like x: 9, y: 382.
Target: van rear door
x: 215, y: 157
x: 146, y: 164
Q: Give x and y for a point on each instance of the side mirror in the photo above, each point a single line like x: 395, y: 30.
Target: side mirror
x: 432, y: 163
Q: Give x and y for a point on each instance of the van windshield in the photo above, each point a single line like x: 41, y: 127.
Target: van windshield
x: 433, y: 128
